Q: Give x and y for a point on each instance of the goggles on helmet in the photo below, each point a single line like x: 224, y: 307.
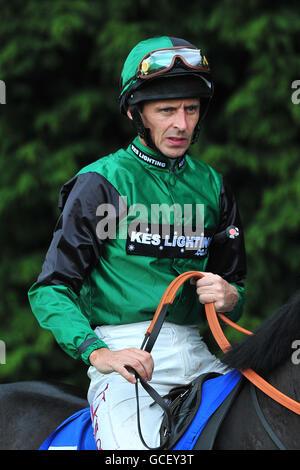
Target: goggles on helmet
x: 160, y: 61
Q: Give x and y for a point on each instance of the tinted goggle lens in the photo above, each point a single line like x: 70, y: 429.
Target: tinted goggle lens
x: 162, y: 60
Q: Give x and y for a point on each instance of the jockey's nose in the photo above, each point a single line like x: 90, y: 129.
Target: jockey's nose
x: 180, y: 121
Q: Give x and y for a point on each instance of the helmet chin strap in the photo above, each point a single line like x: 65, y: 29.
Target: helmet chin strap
x: 143, y: 132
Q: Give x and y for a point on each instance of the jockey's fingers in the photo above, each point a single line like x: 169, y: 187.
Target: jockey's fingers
x: 209, y: 279
x: 143, y: 368
x: 218, y: 292
x: 206, y: 298
x: 127, y: 373
x: 131, y: 360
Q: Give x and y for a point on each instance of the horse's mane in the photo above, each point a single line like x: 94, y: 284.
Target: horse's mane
x: 271, y: 343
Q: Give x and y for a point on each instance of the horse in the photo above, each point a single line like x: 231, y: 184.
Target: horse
x: 31, y: 411
x: 269, y: 352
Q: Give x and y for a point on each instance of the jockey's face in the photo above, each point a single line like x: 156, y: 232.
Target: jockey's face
x: 171, y: 124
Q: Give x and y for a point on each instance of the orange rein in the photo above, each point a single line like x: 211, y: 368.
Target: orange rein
x: 214, y: 324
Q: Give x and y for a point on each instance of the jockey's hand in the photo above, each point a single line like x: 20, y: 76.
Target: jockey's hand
x: 213, y: 288
x: 123, y: 361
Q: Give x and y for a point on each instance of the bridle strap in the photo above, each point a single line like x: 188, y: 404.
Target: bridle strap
x: 214, y: 324
x: 147, y: 345
x: 263, y: 420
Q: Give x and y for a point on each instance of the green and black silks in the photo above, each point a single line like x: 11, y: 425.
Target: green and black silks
x: 128, y: 226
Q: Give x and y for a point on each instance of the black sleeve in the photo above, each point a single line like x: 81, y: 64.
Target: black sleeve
x: 228, y: 259
x: 76, y: 244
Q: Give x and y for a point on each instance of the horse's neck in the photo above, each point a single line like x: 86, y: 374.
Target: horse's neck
x: 286, y: 378
x: 283, y: 422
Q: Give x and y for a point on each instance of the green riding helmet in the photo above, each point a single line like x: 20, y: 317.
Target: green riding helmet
x: 164, y: 68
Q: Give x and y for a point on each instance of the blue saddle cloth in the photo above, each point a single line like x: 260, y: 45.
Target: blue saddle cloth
x: 76, y: 432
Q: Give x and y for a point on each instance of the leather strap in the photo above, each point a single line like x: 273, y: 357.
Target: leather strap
x: 161, y: 402
x: 147, y: 345
x: 263, y: 420
x: 214, y: 324
x: 150, y: 338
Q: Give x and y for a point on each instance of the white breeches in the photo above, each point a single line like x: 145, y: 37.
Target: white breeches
x: 179, y: 356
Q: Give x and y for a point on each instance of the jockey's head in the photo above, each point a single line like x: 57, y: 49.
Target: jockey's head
x: 169, y: 71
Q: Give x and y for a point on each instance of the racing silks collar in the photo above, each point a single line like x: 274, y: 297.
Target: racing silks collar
x: 151, y: 158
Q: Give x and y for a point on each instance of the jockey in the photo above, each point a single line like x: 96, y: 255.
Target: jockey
x: 130, y: 223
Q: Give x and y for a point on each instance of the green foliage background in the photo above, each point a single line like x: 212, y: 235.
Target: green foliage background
x: 61, y: 63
